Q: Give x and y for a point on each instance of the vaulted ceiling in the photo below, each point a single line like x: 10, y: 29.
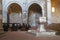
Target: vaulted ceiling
x: 14, y: 8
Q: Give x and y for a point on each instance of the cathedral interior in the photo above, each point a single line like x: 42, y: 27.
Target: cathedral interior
x: 30, y: 20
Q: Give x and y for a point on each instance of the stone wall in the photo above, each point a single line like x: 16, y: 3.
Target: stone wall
x: 24, y: 5
x: 15, y: 18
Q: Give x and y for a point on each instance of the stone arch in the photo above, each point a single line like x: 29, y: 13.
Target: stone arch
x: 15, y: 4
x: 9, y: 3
x: 37, y: 2
x: 34, y: 9
x: 5, y: 9
x: 13, y: 9
x: 38, y: 7
x: 33, y: 3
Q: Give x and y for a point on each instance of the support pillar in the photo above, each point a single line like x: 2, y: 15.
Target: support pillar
x: 49, y: 11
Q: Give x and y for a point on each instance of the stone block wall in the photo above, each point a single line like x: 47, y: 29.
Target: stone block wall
x: 24, y: 5
x: 15, y: 18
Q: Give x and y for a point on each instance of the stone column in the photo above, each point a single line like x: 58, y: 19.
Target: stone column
x: 24, y: 12
x: 49, y: 11
x: 1, y: 28
x: 24, y: 16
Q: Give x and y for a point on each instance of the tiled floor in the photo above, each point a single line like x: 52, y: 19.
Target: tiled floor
x: 21, y: 35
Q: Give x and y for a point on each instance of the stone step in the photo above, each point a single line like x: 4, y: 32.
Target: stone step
x: 37, y: 33
x: 46, y: 33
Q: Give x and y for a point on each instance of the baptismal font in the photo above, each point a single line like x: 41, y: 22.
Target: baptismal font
x: 41, y: 29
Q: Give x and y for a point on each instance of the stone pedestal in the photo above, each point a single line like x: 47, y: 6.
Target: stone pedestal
x: 42, y: 31
x: 41, y: 28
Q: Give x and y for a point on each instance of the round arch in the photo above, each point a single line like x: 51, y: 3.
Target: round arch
x: 9, y: 3
x: 12, y: 11
x: 15, y: 7
x: 36, y: 8
x: 29, y: 4
x: 34, y: 12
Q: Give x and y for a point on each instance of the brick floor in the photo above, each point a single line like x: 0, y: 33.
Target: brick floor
x: 21, y: 35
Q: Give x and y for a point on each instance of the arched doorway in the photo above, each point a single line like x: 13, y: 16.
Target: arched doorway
x: 14, y: 13
x: 34, y: 12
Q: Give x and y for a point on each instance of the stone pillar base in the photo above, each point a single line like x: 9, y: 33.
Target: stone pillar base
x: 41, y: 28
